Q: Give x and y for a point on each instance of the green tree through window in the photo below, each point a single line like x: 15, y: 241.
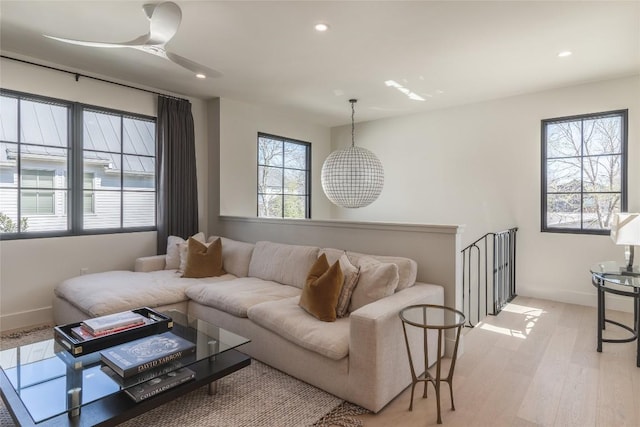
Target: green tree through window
x: 283, y: 177
x: 583, y: 172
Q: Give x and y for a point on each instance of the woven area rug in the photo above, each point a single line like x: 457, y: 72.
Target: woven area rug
x: 257, y: 395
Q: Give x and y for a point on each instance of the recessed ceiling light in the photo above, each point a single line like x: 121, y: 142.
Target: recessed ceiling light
x: 564, y: 53
x: 201, y: 76
x: 321, y: 27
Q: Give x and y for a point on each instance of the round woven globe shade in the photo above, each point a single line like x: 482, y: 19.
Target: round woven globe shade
x: 352, y: 177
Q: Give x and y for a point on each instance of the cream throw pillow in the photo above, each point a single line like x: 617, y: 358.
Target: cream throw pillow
x: 351, y: 274
x: 377, y: 280
x: 173, y: 258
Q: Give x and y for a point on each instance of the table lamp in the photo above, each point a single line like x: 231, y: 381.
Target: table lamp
x: 625, y: 230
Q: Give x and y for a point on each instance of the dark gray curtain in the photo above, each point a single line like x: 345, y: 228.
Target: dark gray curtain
x: 177, y: 185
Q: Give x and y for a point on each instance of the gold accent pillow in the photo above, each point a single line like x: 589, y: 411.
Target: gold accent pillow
x: 321, y: 291
x: 203, y: 260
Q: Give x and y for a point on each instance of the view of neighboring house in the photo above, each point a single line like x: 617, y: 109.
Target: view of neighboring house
x: 113, y: 196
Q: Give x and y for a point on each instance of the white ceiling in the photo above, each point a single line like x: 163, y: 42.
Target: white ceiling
x: 449, y: 52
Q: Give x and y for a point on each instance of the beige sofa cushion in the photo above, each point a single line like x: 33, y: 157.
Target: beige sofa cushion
x: 407, y: 268
x: 287, y: 319
x: 237, y: 296
x: 174, y: 243
x: 114, y: 291
x: 236, y: 256
x: 286, y: 264
x: 377, y: 280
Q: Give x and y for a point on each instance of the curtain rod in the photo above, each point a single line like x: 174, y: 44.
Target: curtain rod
x: 78, y: 75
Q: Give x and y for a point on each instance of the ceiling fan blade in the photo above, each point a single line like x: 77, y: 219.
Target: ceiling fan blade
x: 192, y: 66
x: 132, y: 43
x: 165, y: 20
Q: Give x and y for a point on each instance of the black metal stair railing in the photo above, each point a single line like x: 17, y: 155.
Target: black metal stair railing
x: 488, y: 275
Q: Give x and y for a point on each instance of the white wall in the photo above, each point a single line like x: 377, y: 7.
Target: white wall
x: 479, y: 165
x: 29, y: 269
x: 239, y: 127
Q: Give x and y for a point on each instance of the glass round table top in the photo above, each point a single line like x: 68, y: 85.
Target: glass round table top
x: 616, y: 273
x: 432, y: 316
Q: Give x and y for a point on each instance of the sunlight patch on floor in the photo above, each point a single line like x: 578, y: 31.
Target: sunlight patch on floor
x: 504, y: 331
x: 530, y: 316
x: 523, y: 309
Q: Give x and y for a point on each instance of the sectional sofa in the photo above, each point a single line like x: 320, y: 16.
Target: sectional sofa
x: 360, y: 358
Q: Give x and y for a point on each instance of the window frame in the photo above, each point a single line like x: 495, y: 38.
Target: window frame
x: 624, y: 115
x: 307, y: 195
x: 74, y: 203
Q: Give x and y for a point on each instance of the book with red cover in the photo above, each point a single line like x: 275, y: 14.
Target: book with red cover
x: 110, y: 322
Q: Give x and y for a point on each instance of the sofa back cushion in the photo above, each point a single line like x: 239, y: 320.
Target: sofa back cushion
x: 236, y: 256
x: 286, y: 264
x: 407, y: 268
x: 376, y: 281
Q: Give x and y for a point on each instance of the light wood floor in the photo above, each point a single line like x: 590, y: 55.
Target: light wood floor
x: 535, y: 364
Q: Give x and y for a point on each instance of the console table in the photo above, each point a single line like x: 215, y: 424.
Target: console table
x: 611, y: 277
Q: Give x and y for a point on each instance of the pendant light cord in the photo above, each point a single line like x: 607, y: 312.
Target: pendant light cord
x: 353, y: 126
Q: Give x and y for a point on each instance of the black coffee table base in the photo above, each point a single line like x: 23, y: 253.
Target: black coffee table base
x: 117, y: 408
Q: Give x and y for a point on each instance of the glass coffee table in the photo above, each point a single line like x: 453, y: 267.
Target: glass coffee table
x: 43, y: 385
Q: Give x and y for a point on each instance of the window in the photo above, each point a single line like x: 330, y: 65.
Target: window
x: 47, y: 145
x: 584, y: 173
x: 283, y: 177
x: 119, y: 153
x: 40, y: 200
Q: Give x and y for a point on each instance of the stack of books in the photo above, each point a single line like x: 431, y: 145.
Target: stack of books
x: 107, y: 325
x: 157, y: 357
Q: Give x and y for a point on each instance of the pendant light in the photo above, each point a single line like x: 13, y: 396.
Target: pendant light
x: 352, y: 177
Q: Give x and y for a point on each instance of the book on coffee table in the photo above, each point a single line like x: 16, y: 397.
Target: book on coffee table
x: 143, y: 354
x: 150, y: 374
x: 159, y: 384
x: 112, y: 322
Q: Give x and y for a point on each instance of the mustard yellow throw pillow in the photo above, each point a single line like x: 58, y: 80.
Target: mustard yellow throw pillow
x: 203, y: 260
x: 322, y: 289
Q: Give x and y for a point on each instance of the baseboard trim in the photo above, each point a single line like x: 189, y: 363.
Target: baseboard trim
x: 26, y: 319
x: 590, y: 299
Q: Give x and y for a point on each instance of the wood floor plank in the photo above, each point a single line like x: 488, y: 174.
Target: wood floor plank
x: 535, y: 364
x: 540, y: 404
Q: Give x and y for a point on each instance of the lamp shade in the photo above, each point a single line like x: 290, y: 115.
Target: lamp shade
x: 352, y: 177
x: 625, y: 229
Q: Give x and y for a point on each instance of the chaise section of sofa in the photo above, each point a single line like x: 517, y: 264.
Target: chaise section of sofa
x: 360, y: 358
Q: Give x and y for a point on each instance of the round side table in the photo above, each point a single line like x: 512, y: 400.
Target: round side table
x: 439, y: 318
x: 611, y: 277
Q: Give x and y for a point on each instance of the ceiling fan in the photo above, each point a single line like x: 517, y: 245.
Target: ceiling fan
x: 164, y: 20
